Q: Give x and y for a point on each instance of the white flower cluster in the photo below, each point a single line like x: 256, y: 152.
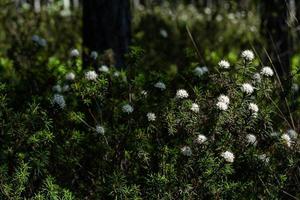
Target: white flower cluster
x: 207, y: 10
x: 74, y: 53
x: 219, y: 18
x: 292, y: 133
x: 127, y: 109
x: 65, y: 88
x: 160, y: 85
x: 104, y: 69
x: 264, y: 158
x: 163, y: 33
x: 100, y: 129
x: 267, y: 71
x: 224, y: 64
x: 286, y: 140
x: 253, y: 108
x: 38, y: 40
x: 223, y: 102
x: 257, y: 78
x: 275, y: 134
x: 91, y: 75
x: 228, y: 156
x: 59, y: 100
x: 144, y: 93
x: 248, y: 55
x: 57, y: 88
x: 251, y: 139
x: 94, y: 55
x: 151, y: 117
x: 222, y: 106
x: 295, y: 87
x: 288, y: 137
x: 223, y: 98
x: 199, y: 71
x: 247, y: 88
x: 182, y: 94
x: 186, y: 151
x: 201, y: 139
x: 70, y: 76
x: 195, y: 107
x: 116, y: 74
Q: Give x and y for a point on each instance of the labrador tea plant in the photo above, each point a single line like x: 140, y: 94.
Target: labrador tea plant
x: 211, y: 137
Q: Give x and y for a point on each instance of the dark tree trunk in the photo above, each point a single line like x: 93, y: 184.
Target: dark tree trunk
x: 276, y: 31
x: 297, y: 10
x: 297, y: 20
x: 106, y: 25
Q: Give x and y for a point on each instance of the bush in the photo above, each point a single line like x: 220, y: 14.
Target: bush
x: 203, y: 133
x: 167, y: 127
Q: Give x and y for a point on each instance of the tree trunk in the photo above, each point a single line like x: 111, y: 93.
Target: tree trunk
x: 67, y: 4
x: 276, y: 31
x: 76, y: 4
x: 37, y: 5
x: 106, y: 25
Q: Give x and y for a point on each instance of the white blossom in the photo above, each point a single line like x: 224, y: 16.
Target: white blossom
x: 199, y: 71
x: 286, y: 140
x: 264, y: 158
x: 144, y: 93
x: 66, y: 88
x: 253, y: 29
x: 222, y: 106
x: 100, y: 129
x: 254, y: 115
x: 267, y: 71
x: 26, y: 6
x: 91, y: 75
x: 38, y: 40
x: 207, y: 10
x: 94, y: 55
x: 204, y: 69
x: 201, y: 139
x: 127, y: 109
x: 104, y: 69
x: 231, y: 16
x: 186, y: 151
x: 257, y: 77
x: 224, y: 64
x: 160, y: 85
x: 57, y: 88
x: 251, y: 139
x: 228, y: 156
x: 59, y: 100
x: 292, y: 133
x: 181, y: 94
x: 195, y: 108
x: 248, y: 55
x: 116, y: 74
x: 151, y: 117
x: 219, y: 18
x: 223, y: 98
x: 70, y: 76
x: 35, y: 38
x: 43, y: 42
x: 274, y: 134
x: 65, y: 12
x: 253, y: 107
x: 74, y: 53
x: 295, y: 87
x: 247, y: 88
x: 163, y: 33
